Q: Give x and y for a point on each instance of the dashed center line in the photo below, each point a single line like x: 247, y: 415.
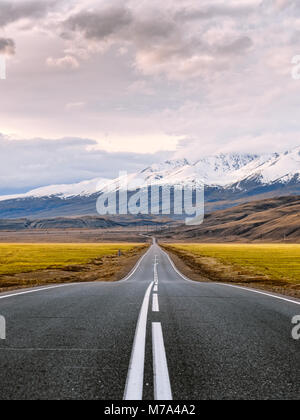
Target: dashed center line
x: 155, y: 270
x: 135, y: 378
x: 155, y: 306
x: 162, y: 385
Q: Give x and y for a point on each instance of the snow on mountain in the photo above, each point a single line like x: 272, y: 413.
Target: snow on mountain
x: 224, y: 170
x: 217, y: 170
x: 85, y: 188
x: 166, y: 167
x: 214, y: 170
x: 277, y: 168
x: 161, y: 174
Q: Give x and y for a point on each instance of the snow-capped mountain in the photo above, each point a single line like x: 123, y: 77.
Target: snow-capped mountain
x: 217, y: 170
x: 228, y: 178
x: 84, y: 188
x: 281, y: 168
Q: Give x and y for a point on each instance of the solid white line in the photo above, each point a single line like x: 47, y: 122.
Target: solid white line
x: 248, y: 289
x: 155, y: 288
x: 260, y: 293
x: 135, y: 376
x: 176, y: 270
x: 135, y: 268
x: 37, y: 290
x: 162, y: 386
x: 155, y: 306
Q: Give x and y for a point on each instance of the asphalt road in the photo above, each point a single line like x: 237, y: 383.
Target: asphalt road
x: 152, y: 336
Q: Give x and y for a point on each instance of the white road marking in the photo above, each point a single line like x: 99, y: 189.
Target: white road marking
x: 155, y: 288
x: 135, y: 268
x: 162, y: 386
x: 37, y: 290
x: 155, y: 306
x: 13, y: 349
x: 135, y: 376
x: 155, y: 272
x: 248, y: 289
x: 176, y: 270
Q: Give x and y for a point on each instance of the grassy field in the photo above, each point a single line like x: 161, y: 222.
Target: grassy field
x: 24, y: 258
x: 268, y: 264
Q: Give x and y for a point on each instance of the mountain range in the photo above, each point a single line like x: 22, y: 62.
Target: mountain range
x: 229, y: 179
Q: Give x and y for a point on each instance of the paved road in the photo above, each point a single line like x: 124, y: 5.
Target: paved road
x: 137, y: 339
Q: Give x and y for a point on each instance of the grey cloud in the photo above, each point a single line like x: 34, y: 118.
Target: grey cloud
x: 213, y: 12
x: 27, y: 164
x: 159, y: 36
x: 7, y: 46
x: 294, y: 38
x: 100, y: 24
x: 12, y: 11
x: 155, y: 28
x: 121, y: 22
x: 238, y: 46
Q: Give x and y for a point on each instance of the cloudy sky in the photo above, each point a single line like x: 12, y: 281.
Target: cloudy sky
x: 94, y: 87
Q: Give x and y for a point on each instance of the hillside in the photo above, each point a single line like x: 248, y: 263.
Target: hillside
x: 268, y: 220
x: 84, y: 222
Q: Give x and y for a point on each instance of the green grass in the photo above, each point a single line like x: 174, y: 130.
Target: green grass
x: 24, y: 258
x: 277, y: 261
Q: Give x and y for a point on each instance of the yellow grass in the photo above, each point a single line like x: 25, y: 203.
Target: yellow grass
x: 24, y: 258
x: 277, y: 261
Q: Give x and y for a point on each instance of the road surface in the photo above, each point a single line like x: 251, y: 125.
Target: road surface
x: 154, y: 335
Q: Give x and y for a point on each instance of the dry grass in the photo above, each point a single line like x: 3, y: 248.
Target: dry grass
x: 22, y: 258
x: 23, y: 265
x: 272, y: 266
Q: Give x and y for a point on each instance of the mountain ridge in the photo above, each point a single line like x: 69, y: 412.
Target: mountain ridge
x: 229, y: 180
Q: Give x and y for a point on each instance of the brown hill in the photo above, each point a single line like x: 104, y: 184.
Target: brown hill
x: 272, y: 220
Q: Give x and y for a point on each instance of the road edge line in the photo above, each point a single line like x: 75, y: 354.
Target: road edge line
x: 133, y: 271
x: 34, y: 290
x: 249, y: 289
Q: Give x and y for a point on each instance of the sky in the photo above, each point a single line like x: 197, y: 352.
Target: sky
x: 95, y: 87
